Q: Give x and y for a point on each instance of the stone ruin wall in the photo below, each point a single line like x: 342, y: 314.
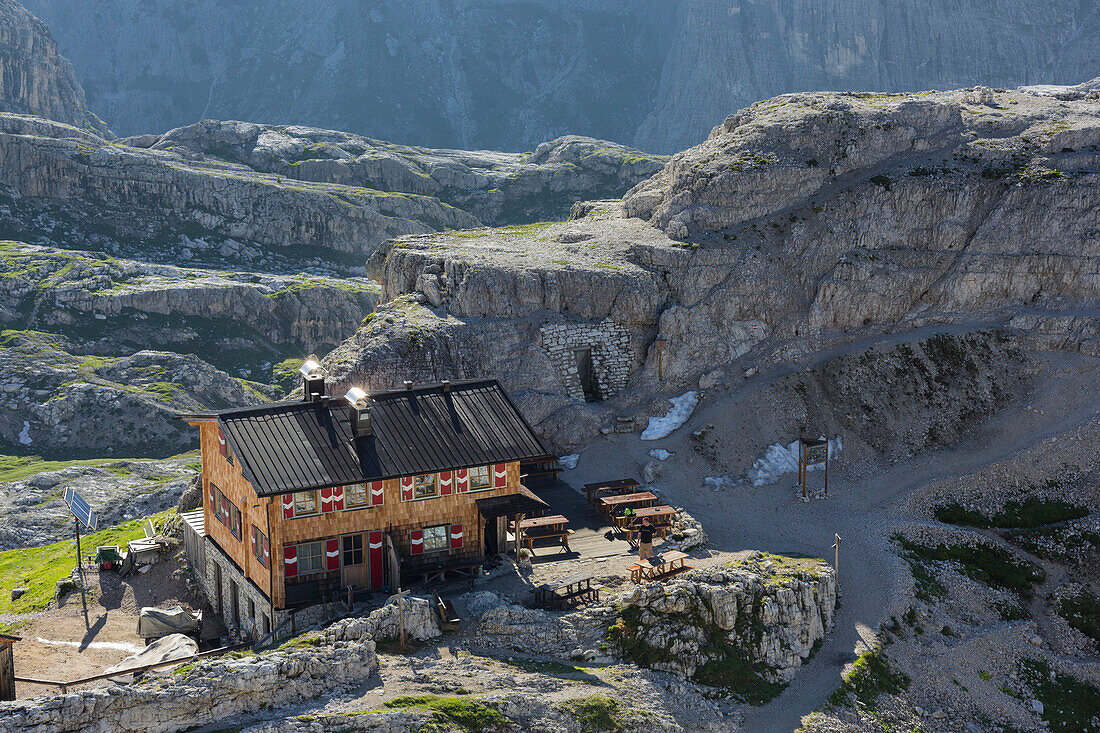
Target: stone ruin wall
x: 610, y: 349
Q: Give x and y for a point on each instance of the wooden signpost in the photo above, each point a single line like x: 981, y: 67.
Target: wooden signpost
x: 399, y: 596
x: 836, y: 559
x: 811, y: 453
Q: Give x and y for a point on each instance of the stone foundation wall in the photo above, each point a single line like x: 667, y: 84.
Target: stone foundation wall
x: 609, y: 344
x: 254, y: 615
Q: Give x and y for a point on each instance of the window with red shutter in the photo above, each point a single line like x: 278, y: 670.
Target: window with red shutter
x: 377, y: 495
x: 456, y: 536
x: 288, y: 506
x: 500, y: 475
x: 416, y: 542
x: 332, y: 554
x: 290, y: 561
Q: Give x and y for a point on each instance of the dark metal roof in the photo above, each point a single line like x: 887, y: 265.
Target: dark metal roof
x: 525, y: 502
x: 292, y: 446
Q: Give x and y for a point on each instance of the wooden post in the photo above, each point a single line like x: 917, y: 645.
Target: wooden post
x: 836, y: 559
x: 399, y: 596
x: 826, y: 469
x: 802, y: 466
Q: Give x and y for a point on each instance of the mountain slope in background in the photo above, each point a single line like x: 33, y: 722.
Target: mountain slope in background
x: 34, y: 78
x: 506, y: 75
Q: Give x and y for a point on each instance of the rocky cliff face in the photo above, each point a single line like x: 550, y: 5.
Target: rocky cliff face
x: 644, y: 72
x: 55, y: 401
x: 804, y: 222
x: 239, y: 321
x: 282, y: 198
x: 36, y: 79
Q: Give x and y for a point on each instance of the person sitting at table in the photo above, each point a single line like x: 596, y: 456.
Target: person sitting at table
x: 645, y: 540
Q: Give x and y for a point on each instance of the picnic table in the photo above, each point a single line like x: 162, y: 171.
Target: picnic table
x: 608, y: 504
x: 618, y: 486
x: 661, y: 567
x: 540, y: 528
x: 558, y: 594
x: 659, y: 516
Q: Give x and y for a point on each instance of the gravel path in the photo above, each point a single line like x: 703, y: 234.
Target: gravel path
x: 865, y: 507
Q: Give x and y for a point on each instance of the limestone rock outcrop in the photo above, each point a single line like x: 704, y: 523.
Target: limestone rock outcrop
x: 36, y: 78
x: 280, y: 199
x: 238, y: 321
x: 803, y: 223
x: 762, y: 611
x: 53, y: 400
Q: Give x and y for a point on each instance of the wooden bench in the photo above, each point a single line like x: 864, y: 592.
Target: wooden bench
x: 561, y: 593
x: 618, y: 486
x: 671, y: 564
x: 542, y: 528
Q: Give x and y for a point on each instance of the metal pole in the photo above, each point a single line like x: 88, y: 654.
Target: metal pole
x: 826, y: 469
x: 79, y: 566
x: 836, y: 558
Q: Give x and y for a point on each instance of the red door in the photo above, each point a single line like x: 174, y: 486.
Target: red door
x: 374, y: 553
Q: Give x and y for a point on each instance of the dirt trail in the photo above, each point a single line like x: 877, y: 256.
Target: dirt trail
x: 865, y: 506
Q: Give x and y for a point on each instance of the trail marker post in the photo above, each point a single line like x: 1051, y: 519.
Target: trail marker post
x: 836, y: 558
x: 812, y: 452
x: 399, y: 596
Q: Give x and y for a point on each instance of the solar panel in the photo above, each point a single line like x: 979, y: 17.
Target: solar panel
x: 80, y: 509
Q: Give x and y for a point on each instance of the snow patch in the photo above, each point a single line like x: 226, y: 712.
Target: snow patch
x: 662, y: 427
x: 569, y: 462
x: 25, y: 434
x: 121, y: 646
x: 722, y: 482
x: 779, y: 459
x: 660, y: 454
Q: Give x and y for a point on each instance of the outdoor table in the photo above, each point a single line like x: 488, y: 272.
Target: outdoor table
x: 608, y: 504
x: 618, y: 486
x: 659, y: 516
x: 664, y: 566
x: 538, y: 528
x: 566, y: 589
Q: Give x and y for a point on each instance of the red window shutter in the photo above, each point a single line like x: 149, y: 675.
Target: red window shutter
x: 225, y: 510
x: 377, y: 495
x: 374, y: 557
x: 462, y: 480
x: 221, y: 443
x: 338, y: 499
x: 445, y: 478
x: 326, y: 501
x: 267, y: 553
x: 332, y: 554
x: 416, y: 541
x: 213, y: 501
x: 290, y: 561
x: 288, y: 506
x: 500, y: 475
x: 456, y: 536
x: 406, y: 488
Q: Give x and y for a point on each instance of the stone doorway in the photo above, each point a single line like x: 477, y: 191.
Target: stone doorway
x: 587, y: 374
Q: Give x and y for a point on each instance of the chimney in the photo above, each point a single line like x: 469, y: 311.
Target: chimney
x: 313, y: 380
x: 446, y: 384
x: 359, y: 411
x: 408, y: 384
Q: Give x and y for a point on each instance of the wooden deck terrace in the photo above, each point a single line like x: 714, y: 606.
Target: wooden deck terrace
x: 593, y: 536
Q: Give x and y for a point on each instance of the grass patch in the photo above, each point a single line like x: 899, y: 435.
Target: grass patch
x: 39, y: 568
x: 1082, y: 612
x: 991, y: 565
x: 307, y: 640
x: 595, y: 713
x: 1027, y: 514
x: 17, y: 468
x: 1069, y: 705
x: 466, y: 714
x: 869, y: 677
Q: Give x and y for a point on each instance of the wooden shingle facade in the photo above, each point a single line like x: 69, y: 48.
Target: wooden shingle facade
x: 305, y: 503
